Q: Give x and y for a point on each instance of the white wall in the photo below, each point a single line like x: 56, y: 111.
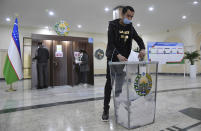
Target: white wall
x: 99, y: 42
x: 187, y: 35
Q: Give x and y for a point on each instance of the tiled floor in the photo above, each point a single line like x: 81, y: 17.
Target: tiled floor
x: 178, y: 107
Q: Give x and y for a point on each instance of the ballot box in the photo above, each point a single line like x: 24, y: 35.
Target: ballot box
x: 134, y: 92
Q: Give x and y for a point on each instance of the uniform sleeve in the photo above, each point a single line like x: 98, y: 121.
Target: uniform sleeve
x: 138, y: 39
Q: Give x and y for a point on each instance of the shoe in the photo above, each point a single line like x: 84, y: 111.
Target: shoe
x: 39, y: 87
x: 45, y: 87
x: 105, y: 116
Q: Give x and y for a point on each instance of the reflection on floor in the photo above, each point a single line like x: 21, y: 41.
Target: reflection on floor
x: 79, y: 108
x: 26, y: 97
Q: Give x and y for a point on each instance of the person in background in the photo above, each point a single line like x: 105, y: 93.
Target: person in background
x: 120, y: 35
x: 84, y: 67
x: 42, y: 56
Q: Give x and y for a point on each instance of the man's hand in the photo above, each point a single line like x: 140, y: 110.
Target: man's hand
x: 121, y: 58
x: 141, y: 54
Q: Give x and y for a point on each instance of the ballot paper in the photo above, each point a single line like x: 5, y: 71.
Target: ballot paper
x: 133, y: 56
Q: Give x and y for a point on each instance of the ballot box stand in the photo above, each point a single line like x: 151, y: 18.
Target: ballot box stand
x: 134, y: 92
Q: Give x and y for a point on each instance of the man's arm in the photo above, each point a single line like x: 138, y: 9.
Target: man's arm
x: 84, y: 59
x: 138, y: 39
x: 48, y: 55
x: 140, y: 43
x: 112, y: 50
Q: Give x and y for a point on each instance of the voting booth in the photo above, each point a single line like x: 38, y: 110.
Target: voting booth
x: 134, y: 92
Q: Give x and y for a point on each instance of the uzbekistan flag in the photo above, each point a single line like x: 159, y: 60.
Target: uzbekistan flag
x: 13, y: 63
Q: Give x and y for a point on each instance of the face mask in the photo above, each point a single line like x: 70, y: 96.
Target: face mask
x: 126, y: 21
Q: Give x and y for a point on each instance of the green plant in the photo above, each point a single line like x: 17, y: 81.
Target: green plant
x: 192, y: 56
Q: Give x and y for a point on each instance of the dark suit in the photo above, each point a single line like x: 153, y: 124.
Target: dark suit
x: 42, y: 56
x: 84, y: 68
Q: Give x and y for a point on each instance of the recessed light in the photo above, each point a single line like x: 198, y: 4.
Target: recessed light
x: 51, y: 13
x: 79, y: 26
x: 8, y: 19
x: 184, y: 17
x: 151, y: 8
x: 46, y: 27
x: 195, y: 2
x: 107, y: 9
x: 138, y: 25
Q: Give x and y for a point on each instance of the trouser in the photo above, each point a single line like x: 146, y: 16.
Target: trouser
x: 119, y: 76
x: 83, y: 76
x: 42, y: 74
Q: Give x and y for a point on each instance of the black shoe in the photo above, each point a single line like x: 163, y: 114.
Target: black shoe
x: 45, y: 87
x: 105, y: 116
x: 39, y: 87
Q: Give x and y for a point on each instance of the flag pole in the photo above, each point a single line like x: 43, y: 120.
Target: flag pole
x: 11, y: 89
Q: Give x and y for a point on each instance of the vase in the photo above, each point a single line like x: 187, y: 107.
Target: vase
x: 193, y: 71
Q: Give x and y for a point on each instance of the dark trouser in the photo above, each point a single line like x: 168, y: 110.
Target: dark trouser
x: 119, y: 76
x: 83, y: 76
x: 42, y: 74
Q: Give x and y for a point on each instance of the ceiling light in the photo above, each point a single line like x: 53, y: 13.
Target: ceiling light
x: 79, y: 26
x: 8, y: 19
x: 184, y: 17
x: 138, y: 25
x: 195, y: 2
x: 46, y: 27
x: 51, y: 13
x: 151, y: 8
x: 107, y: 9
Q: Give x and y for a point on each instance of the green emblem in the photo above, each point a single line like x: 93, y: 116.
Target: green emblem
x: 62, y: 28
x: 143, y: 84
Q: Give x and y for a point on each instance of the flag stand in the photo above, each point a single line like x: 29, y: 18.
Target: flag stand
x: 11, y: 89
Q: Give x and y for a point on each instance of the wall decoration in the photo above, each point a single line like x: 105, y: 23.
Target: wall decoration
x: 99, y: 54
x: 62, y: 28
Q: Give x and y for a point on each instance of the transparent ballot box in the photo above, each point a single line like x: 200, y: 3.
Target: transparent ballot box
x: 134, y: 92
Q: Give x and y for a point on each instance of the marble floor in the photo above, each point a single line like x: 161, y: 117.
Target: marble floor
x: 79, y: 108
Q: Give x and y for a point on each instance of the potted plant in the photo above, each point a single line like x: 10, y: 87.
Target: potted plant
x: 192, y: 57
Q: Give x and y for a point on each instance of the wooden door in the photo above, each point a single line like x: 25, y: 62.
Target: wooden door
x: 59, y: 63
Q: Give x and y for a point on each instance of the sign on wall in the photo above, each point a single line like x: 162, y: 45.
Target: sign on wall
x: 59, y: 52
x: 166, y: 52
x: 91, y: 40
